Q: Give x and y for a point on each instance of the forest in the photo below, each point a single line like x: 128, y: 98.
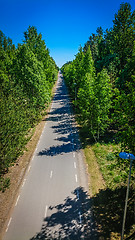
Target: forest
x: 101, y: 80
x: 27, y: 75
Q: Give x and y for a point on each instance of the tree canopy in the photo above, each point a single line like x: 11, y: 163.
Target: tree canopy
x: 104, y: 76
x: 27, y: 75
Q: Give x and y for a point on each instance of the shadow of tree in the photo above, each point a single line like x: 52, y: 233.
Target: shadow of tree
x: 56, y: 150
x: 64, y: 128
x: 73, y: 219
x: 70, y: 220
x: 109, y: 209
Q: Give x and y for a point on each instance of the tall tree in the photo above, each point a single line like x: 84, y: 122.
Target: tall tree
x: 123, y: 33
x: 125, y: 106
x: 27, y: 75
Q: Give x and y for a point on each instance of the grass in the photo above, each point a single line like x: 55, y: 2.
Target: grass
x: 113, y: 169
x: 96, y: 179
x: 4, y: 184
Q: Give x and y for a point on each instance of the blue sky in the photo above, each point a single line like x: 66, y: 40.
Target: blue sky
x: 64, y: 24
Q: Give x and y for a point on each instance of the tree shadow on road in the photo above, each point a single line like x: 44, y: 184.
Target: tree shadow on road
x: 56, y: 150
x: 66, y: 134
x: 101, y: 217
x: 63, y: 126
x: 71, y: 219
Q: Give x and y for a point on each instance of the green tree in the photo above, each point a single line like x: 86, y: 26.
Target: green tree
x: 27, y: 75
x: 35, y: 43
x: 123, y: 34
x: 95, y: 102
x: 125, y: 106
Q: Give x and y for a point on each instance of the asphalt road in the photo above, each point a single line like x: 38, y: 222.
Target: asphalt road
x: 53, y: 201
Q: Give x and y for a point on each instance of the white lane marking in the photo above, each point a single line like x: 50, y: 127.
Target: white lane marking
x: 74, y: 164
x: 80, y: 217
x: 44, y: 129
x: 73, y: 154
x: 24, y: 182
x: 46, y: 208
x: 29, y: 168
x: 17, y: 200
x: 8, y: 224
x: 51, y: 174
x: 76, y: 177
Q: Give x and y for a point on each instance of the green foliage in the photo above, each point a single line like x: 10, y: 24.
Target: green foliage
x: 115, y: 170
x: 123, y: 34
x: 102, y: 77
x: 125, y: 105
x: 93, y: 93
x: 27, y: 75
x: 4, y: 184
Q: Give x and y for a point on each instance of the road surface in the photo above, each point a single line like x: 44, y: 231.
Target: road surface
x: 53, y: 202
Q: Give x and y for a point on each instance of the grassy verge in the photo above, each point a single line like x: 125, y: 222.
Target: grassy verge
x: 108, y: 181
x: 96, y: 179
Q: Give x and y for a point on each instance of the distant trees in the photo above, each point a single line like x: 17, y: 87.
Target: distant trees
x: 27, y: 74
x: 104, y: 73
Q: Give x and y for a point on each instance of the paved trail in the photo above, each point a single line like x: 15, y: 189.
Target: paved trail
x: 53, y: 199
